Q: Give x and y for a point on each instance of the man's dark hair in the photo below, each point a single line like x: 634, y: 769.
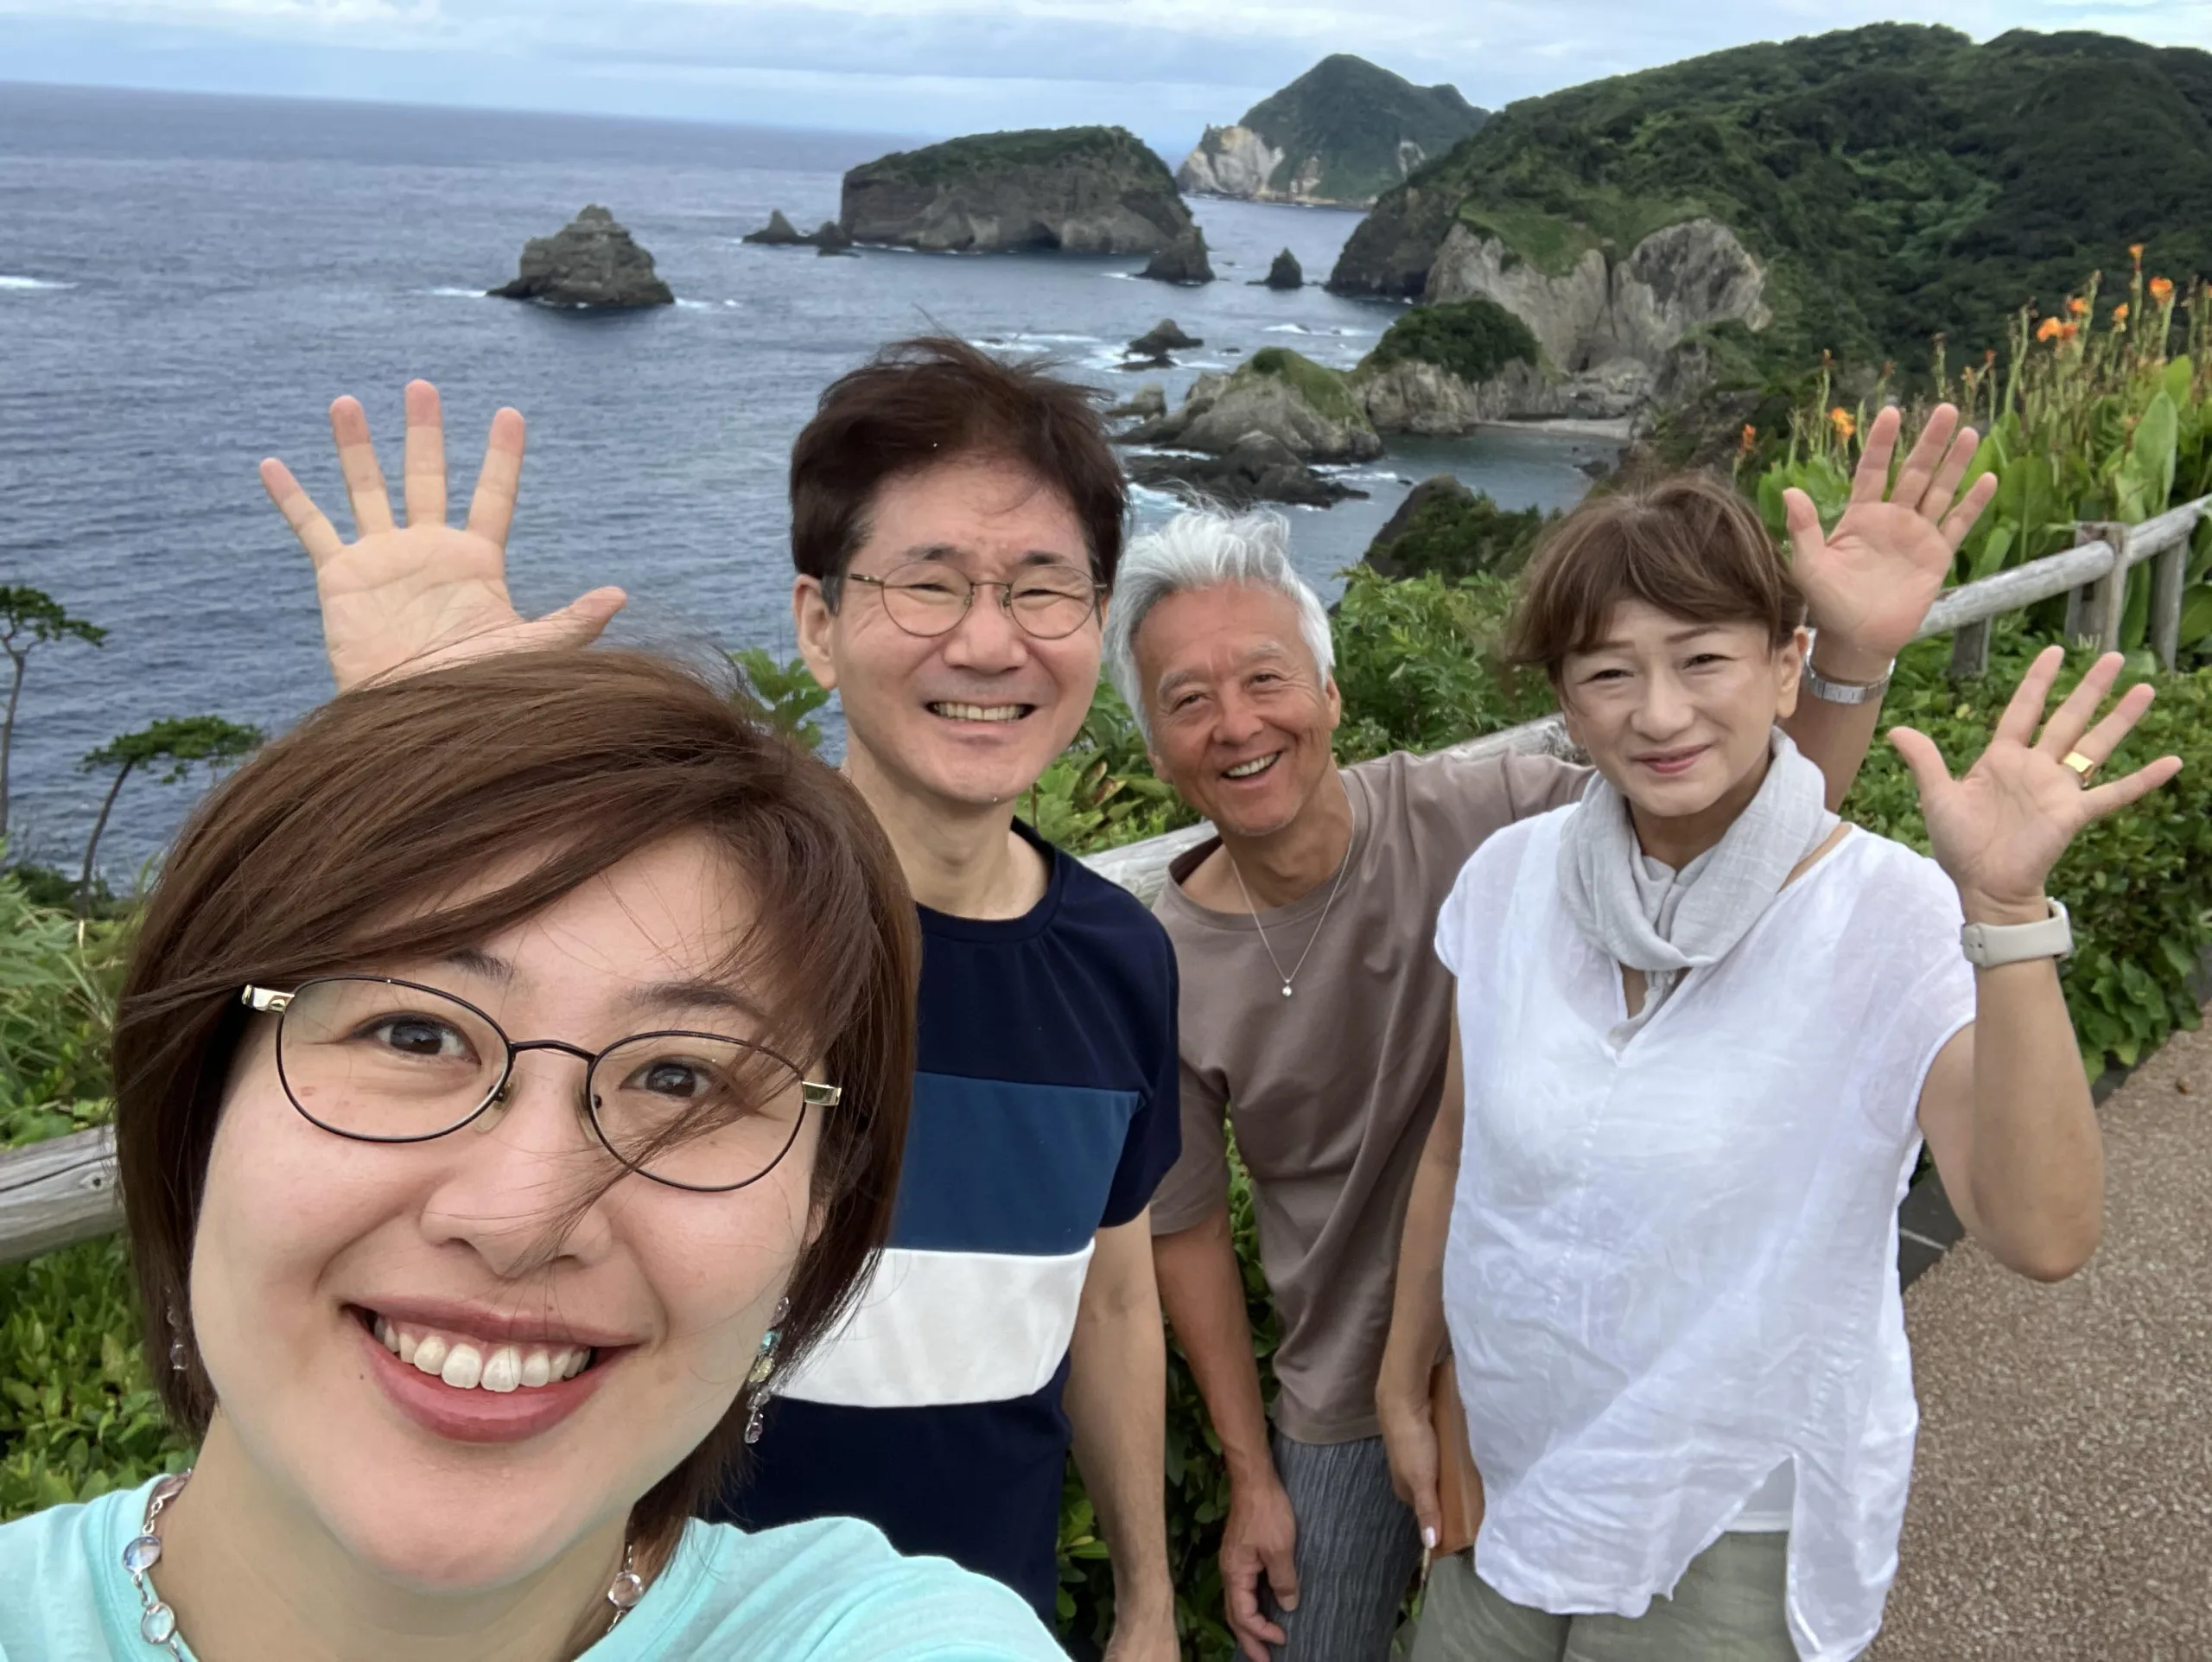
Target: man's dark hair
x: 934, y: 399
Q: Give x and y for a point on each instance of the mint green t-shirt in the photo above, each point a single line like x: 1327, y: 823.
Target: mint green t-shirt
x: 827, y: 1591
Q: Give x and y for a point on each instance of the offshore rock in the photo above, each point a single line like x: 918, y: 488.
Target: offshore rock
x: 1150, y: 349
x: 1285, y: 273
x: 590, y: 265
x: 830, y: 238
x: 1256, y: 468
x: 778, y: 233
x: 1310, y: 410
x: 1183, y: 260
x: 1077, y: 190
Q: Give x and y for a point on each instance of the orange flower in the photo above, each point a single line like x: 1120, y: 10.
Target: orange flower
x: 2135, y: 253
x: 2119, y: 313
x: 2078, y: 306
x: 1750, y: 438
x: 2050, y: 330
x: 1840, y: 419
x: 2162, y: 289
x: 2067, y: 331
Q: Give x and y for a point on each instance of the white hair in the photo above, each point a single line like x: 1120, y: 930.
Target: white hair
x: 1205, y: 548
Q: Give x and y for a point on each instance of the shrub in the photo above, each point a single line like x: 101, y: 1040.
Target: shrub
x: 1473, y: 339
x: 1465, y: 536
x: 1325, y: 389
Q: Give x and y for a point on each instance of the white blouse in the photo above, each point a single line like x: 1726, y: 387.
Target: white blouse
x: 1672, y: 1266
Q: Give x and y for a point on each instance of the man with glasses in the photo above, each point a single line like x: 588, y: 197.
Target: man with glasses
x: 954, y: 524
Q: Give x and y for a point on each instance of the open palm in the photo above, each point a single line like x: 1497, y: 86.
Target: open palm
x: 1871, y: 580
x: 402, y: 598
x: 2000, y: 828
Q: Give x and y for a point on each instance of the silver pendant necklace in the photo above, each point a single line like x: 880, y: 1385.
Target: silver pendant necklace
x: 1267, y: 945
x: 157, y: 1624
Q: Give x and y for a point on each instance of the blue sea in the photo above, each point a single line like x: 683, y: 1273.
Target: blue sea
x: 186, y: 283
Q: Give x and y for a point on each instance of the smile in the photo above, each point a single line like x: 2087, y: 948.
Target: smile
x: 472, y: 1365
x: 1666, y: 763
x: 957, y: 712
x: 1253, y: 769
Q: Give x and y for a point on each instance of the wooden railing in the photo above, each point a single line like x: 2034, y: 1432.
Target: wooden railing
x: 64, y: 1190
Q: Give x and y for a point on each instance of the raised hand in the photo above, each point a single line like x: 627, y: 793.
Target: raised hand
x: 1998, y: 831
x: 1871, y: 580
x: 400, y: 599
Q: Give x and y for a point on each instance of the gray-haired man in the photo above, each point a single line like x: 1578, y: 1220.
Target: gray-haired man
x: 1315, y: 1016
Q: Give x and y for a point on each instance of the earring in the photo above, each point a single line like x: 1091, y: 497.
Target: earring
x: 179, y: 1357
x: 763, y: 1368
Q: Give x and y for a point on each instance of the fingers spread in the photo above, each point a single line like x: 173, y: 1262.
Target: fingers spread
x: 1871, y: 481
x: 1804, y: 522
x: 425, y: 472
x: 357, y: 460
x: 491, y: 510
x: 1913, y: 479
x: 1923, y: 759
x: 2017, y: 724
x: 2130, y: 787
x: 308, y: 522
x: 2062, y: 732
x: 1961, y: 519
x: 1956, y: 460
x: 2108, y: 734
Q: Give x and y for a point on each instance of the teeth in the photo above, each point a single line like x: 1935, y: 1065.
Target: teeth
x: 979, y: 712
x: 1246, y: 769
x: 467, y: 1367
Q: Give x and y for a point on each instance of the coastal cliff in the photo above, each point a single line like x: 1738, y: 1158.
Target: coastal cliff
x: 1339, y: 135
x: 1077, y: 190
x: 1854, y: 193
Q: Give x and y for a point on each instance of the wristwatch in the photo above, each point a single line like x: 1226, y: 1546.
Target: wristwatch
x: 1988, y: 944
x: 1843, y: 692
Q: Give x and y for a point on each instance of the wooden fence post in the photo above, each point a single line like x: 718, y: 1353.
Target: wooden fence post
x: 2093, y: 612
x: 2167, y: 581
x: 1970, y: 650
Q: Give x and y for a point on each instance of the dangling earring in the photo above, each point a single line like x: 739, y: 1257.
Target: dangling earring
x: 764, y: 1369
x: 180, y: 1359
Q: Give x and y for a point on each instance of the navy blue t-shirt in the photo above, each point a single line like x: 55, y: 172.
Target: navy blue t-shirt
x: 1046, y: 1107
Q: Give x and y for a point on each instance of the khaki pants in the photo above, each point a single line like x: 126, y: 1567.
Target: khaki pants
x: 1728, y: 1607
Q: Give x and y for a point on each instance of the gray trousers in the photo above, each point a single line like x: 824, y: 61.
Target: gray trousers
x: 1728, y: 1607
x: 1358, y: 1548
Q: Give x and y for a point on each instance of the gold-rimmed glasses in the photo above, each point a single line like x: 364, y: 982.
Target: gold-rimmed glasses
x: 927, y: 597
x: 384, y: 1061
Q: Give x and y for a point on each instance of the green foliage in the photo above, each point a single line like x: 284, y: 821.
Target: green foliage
x: 1329, y: 392
x: 1102, y: 792
x: 1473, y: 339
x: 78, y: 1414
x: 784, y: 695
x: 172, y: 748
x: 1454, y: 538
x: 58, y: 982
x: 1418, y: 667
x: 966, y: 157
x: 1352, y: 116
x: 29, y: 619
x: 1895, y: 181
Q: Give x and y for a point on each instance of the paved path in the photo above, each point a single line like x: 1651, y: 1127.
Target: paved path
x: 2062, y: 1498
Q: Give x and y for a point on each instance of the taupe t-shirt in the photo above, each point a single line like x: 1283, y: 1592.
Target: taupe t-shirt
x: 1331, y: 1091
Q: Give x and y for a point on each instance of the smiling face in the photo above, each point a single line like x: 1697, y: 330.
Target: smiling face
x: 575, y: 1367
x: 1240, y: 714
x: 1678, y: 715
x: 968, y: 719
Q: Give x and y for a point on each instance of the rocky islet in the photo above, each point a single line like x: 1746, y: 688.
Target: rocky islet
x: 590, y: 265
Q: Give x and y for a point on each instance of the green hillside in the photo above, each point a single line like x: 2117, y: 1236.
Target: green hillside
x: 1896, y: 181
x: 956, y: 159
x: 1353, y: 116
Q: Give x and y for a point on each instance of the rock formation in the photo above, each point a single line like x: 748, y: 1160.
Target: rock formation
x: 1080, y: 190
x: 778, y: 233
x: 1336, y: 136
x: 1311, y: 411
x: 1285, y: 273
x: 827, y: 238
x: 830, y: 238
x: 1256, y: 468
x: 591, y: 263
x: 1446, y: 528
x: 1183, y: 260
x: 1148, y: 403
x: 1150, y: 349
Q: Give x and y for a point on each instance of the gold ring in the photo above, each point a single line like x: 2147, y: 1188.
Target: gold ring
x: 2082, y: 766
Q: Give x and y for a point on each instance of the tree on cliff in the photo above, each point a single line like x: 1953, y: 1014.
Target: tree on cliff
x: 29, y: 619
x: 176, y: 746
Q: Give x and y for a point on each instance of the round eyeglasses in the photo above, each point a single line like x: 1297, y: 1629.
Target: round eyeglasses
x: 924, y: 597
x: 382, y: 1060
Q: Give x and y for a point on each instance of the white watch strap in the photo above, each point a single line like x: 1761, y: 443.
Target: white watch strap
x: 1988, y: 944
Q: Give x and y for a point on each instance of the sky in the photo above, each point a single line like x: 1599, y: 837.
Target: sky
x: 1164, y: 68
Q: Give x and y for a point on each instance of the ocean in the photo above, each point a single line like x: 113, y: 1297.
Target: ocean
x: 186, y: 283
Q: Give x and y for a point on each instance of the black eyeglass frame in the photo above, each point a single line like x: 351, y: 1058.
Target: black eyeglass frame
x: 883, y: 585
x: 812, y: 1094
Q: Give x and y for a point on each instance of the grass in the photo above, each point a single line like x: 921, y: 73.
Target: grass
x: 964, y: 158
x: 1329, y: 392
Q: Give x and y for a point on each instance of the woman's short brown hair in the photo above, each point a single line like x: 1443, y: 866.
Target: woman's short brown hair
x: 347, y: 841
x: 1688, y: 545
x: 934, y: 399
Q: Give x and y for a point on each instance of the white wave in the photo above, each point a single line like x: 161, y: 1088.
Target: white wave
x: 458, y: 294
x: 693, y: 306
x: 730, y: 302
x: 24, y: 282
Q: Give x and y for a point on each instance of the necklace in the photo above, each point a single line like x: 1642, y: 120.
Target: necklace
x: 1268, y: 946
x: 157, y: 1624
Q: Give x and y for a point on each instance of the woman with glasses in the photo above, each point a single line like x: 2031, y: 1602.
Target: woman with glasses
x: 511, y: 1078
x: 1701, y: 1031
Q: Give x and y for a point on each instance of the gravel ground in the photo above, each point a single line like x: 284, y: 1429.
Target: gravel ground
x: 2061, y: 1497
